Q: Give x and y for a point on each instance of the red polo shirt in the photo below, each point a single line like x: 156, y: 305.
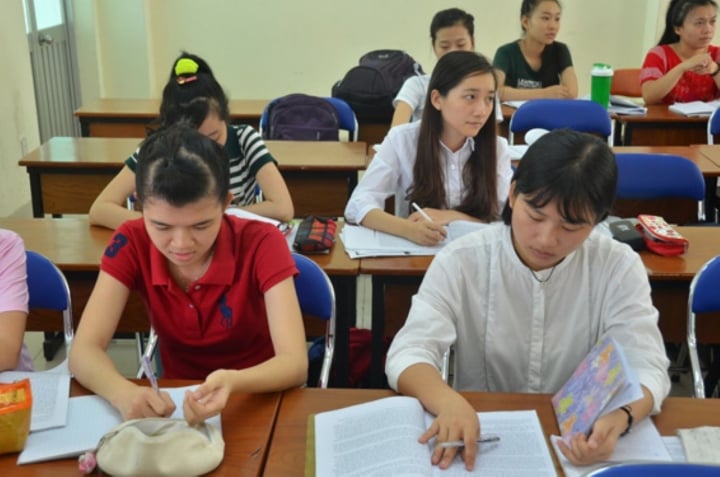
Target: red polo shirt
x: 221, y: 322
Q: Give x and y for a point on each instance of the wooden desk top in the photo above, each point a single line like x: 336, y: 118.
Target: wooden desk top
x: 74, y: 245
x: 95, y: 152
x: 149, y: 108
x: 247, y: 423
x: 704, y: 245
x: 287, y: 449
x: 711, y: 152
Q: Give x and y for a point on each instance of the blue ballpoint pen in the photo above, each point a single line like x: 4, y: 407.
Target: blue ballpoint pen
x: 483, y: 439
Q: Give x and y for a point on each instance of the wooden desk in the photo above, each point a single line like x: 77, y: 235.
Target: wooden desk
x: 66, y: 174
x: 396, y: 279
x: 247, y: 424
x: 660, y: 127
x: 287, y: 449
x: 76, y: 248
x: 710, y: 152
x: 111, y: 117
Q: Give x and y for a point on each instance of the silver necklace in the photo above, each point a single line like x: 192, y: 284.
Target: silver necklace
x: 542, y: 280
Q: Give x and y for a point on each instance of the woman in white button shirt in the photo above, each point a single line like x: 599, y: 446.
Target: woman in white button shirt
x: 524, y: 301
x: 451, y: 163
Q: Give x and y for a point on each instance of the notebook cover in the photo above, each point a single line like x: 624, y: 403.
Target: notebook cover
x: 584, y: 396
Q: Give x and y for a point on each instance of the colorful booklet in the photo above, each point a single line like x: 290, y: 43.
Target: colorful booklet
x: 602, y: 383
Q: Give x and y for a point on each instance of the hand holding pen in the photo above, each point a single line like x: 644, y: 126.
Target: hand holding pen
x: 425, y: 231
x: 138, y: 401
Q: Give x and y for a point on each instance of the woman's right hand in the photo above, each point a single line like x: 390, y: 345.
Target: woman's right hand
x: 427, y: 233
x: 457, y: 420
x: 143, y: 401
x: 701, y: 64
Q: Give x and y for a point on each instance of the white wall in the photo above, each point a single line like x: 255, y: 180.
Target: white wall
x: 18, y: 119
x: 266, y: 48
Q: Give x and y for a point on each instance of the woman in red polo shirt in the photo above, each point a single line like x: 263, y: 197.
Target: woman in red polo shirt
x: 219, y: 290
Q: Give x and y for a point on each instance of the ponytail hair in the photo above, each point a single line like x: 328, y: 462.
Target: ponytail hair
x: 191, y: 93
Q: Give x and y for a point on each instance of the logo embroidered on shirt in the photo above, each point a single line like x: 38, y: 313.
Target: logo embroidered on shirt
x: 226, y: 321
x: 118, y: 242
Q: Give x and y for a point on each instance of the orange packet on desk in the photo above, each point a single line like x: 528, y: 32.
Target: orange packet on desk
x: 15, y: 412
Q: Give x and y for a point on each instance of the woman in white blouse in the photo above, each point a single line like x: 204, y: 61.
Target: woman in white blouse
x: 451, y: 163
x: 524, y: 301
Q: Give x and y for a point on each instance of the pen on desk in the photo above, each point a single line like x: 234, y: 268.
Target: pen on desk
x: 483, y: 439
x: 421, y: 212
x: 147, y: 369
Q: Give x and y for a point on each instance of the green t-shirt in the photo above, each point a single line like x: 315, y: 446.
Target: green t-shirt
x: 518, y: 73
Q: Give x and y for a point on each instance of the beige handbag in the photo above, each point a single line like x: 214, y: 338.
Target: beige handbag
x: 160, y: 447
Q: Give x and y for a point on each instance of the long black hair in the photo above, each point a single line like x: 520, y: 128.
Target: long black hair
x: 480, y: 172
x: 675, y: 16
x: 577, y: 170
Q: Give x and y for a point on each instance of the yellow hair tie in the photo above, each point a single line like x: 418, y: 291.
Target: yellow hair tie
x: 186, y: 66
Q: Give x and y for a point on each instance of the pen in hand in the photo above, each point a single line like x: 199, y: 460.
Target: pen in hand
x: 483, y: 439
x: 421, y: 212
x: 147, y: 369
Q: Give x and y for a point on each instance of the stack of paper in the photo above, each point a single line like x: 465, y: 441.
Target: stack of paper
x: 695, y: 108
x: 362, y: 242
x: 626, y: 107
x: 701, y: 444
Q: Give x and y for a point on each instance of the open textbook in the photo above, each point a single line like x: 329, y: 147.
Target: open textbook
x: 603, y: 382
x: 381, y: 438
x: 50, y: 393
x: 89, y: 418
x: 361, y: 241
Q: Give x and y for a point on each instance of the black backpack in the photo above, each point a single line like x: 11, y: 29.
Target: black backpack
x: 370, y: 87
x: 300, y: 117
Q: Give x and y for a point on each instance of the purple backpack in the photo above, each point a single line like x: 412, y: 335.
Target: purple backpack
x: 300, y: 117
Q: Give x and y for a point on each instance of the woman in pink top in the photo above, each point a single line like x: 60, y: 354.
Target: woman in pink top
x: 684, y: 66
x: 13, y: 303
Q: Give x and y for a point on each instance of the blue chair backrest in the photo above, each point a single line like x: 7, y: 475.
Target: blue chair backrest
x: 706, y: 290
x: 653, y: 176
x: 47, y: 287
x: 663, y: 469
x: 315, y: 292
x: 578, y: 115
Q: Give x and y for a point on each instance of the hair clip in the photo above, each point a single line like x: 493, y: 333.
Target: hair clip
x: 186, y: 66
x: 186, y: 79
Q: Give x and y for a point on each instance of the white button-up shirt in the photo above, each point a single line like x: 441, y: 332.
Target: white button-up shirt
x: 391, y: 173
x: 513, y: 333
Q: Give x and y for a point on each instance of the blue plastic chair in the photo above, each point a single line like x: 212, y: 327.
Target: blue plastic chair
x: 346, y: 117
x: 317, y: 298
x: 48, y: 290
x: 656, y: 469
x: 704, y: 297
x: 658, y: 176
x: 578, y: 115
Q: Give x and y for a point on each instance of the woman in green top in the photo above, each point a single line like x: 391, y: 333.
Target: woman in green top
x: 536, y: 66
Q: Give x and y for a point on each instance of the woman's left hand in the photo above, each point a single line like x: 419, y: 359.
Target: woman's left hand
x: 600, y: 444
x: 208, y: 399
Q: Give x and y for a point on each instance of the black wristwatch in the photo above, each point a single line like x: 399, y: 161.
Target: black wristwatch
x: 628, y: 409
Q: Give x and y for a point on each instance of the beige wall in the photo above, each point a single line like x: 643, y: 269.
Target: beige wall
x: 266, y: 48
x: 18, y: 119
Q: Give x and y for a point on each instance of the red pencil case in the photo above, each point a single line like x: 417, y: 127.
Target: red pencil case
x: 660, y: 237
